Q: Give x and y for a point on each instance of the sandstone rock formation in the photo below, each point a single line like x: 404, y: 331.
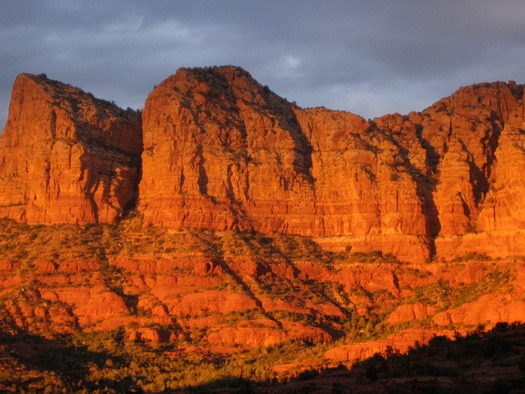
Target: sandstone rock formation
x: 66, y: 157
x: 400, y: 342
x: 220, y: 151
x: 223, y: 152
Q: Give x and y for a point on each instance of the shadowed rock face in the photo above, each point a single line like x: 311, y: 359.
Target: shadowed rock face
x: 220, y: 151
x: 66, y: 157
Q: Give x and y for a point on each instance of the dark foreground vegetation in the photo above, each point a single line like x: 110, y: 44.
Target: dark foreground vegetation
x: 479, y: 362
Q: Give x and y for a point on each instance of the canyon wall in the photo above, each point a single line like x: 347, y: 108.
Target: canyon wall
x: 220, y: 151
x: 223, y: 152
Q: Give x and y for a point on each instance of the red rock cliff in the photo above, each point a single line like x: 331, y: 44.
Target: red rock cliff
x: 66, y: 157
x: 221, y: 151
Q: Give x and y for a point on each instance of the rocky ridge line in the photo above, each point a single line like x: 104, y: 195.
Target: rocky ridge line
x: 223, y: 152
x: 220, y: 151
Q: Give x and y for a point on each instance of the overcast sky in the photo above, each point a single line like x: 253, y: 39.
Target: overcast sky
x: 369, y: 57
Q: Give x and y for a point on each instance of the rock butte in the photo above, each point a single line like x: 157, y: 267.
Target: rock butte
x: 217, y: 150
x: 66, y: 157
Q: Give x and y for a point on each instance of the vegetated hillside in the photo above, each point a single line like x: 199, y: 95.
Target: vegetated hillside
x: 478, y: 362
x: 216, y: 150
x: 230, y: 236
x: 134, y: 306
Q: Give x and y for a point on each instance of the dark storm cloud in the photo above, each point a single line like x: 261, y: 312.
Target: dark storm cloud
x: 369, y: 57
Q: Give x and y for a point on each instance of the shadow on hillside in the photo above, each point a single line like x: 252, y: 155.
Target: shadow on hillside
x: 479, y: 362
x: 72, y: 364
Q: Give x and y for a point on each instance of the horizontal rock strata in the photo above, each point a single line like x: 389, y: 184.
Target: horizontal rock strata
x: 217, y: 150
x: 66, y: 157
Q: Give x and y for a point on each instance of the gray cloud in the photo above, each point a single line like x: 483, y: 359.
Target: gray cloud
x: 367, y: 57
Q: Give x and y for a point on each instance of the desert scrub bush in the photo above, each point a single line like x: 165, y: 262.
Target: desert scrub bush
x: 235, y: 243
x: 299, y: 248
x: 232, y: 318
x: 471, y: 256
x: 492, y: 282
x: 304, y: 318
x: 374, y: 256
x: 435, y: 294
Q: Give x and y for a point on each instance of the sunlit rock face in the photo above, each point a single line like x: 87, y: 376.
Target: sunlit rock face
x: 66, y: 157
x: 223, y: 152
x: 217, y: 150
x: 479, y: 194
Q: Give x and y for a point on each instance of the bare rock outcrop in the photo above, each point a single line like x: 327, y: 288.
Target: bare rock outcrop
x: 219, y: 151
x: 66, y: 157
x: 223, y: 152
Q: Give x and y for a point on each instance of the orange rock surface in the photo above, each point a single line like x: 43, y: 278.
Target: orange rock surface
x: 237, y: 291
x: 66, y: 157
x: 399, y: 342
x: 215, y: 154
x: 220, y: 151
x: 223, y: 152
